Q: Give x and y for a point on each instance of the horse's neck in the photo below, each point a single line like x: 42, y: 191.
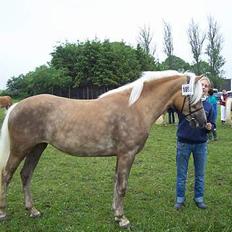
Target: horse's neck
x: 157, y: 98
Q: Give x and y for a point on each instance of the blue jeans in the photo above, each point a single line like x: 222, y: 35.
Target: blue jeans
x: 183, y: 153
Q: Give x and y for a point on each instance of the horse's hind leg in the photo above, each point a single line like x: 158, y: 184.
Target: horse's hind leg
x: 12, y: 164
x: 26, y: 174
x: 123, y: 167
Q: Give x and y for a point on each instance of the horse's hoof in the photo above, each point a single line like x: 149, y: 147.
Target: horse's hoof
x: 34, y: 213
x: 122, y: 221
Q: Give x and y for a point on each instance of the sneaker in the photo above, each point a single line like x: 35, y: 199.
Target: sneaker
x: 179, y: 206
x: 201, y: 205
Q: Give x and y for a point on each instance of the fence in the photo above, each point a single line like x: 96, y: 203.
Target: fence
x: 87, y: 92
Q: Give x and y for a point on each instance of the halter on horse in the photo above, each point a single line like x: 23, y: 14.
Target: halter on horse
x: 115, y: 124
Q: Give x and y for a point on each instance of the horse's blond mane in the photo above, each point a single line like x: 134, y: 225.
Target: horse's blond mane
x: 137, y: 85
x: 197, y: 88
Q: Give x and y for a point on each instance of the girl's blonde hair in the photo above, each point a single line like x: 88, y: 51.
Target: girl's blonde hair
x: 207, y: 79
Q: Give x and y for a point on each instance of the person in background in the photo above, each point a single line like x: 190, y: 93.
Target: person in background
x: 223, y: 99
x: 193, y: 140
x: 171, y: 115
x: 213, y: 101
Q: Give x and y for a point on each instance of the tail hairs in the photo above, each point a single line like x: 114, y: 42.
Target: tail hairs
x: 4, y: 143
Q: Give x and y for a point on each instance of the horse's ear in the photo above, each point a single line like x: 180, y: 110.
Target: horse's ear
x: 198, y: 78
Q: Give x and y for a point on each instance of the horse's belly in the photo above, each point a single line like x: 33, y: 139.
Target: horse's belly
x: 88, y: 148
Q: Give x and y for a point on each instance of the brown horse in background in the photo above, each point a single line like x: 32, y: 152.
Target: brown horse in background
x: 115, y: 124
x: 5, y: 102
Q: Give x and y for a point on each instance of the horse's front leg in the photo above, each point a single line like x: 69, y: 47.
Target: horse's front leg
x: 123, y: 166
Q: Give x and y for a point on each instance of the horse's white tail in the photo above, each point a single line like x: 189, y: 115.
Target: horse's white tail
x: 4, y: 143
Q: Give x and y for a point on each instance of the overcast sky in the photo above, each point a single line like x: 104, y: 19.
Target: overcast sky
x: 29, y: 29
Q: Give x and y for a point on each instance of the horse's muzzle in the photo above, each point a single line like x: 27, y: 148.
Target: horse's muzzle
x: 194, y: 123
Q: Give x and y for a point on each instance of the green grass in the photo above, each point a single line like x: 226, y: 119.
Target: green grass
x: 75, y: 194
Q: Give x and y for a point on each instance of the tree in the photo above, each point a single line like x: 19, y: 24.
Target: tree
x: 213, y: 50
x: 146, y: 62
x: 145, y: 39
x: 100, y: 63
x: 84, y: 64
x: 15, y: 86
x: 196, y: 41
x: 168, y: 44
x: 177, y: 64
x: 63, y: 58
x: 203, y: 67
x: 90, y: 63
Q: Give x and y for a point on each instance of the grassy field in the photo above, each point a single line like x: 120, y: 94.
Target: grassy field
x: 75, y: 194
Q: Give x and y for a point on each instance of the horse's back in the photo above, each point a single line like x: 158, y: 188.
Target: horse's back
x: 44, y: 109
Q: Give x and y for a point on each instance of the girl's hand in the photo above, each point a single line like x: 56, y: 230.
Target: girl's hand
x: 208, y: 126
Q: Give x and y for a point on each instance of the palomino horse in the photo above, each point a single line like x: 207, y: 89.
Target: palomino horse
x: 5, y: 102
x: 115, y: 124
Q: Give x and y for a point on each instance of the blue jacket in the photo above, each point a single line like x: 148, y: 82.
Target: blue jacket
x: 187, y: 134
x: 213, y: 101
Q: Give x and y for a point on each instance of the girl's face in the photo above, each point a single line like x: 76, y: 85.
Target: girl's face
x: 205, y: 86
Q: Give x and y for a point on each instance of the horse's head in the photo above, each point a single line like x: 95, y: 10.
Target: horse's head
x: 189, y: 102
